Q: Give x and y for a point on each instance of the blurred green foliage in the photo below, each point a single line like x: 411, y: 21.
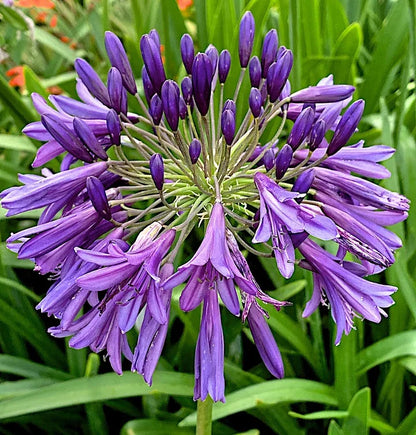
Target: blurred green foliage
x: 362, y: 386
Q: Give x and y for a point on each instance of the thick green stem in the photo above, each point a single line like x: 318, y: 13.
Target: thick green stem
x: 204, y: 417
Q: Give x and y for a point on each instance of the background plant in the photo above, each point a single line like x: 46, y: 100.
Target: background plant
x: 364, y: 383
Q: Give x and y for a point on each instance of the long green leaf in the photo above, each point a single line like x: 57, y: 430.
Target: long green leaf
x: 154, y: 427
x: 101, y: 387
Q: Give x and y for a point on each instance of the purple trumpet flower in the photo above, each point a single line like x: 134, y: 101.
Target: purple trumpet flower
x: 269, y: 52
x: 255, y: 102
x: 347, y: 188
x: 246, y: 38
x: 157, y: 170
x: 187, y: 52
x: 153, y: 62
x: 228, y: 125
x: 92, y: 81
x: 224, y: 64
x: 323, y: 94
x: 97, y: 194
x: 116, y: 91
x: 170, y: 102
x: 119, y: 60
x: 195, y: 148
x: 57, y: 188
x: 347, y: 293
x: 201, y: 82
x: 71, y: 107
x: 277, y: 75
x: 280, y: 215
x: 346, y: 127
x: 211, y: 268
x: 152, y: 334
x: 254, y: 69
x: 301, y: 128
x: 156, y: 109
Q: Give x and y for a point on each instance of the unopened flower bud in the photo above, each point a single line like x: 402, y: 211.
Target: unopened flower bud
x: 254, y: 69
x: 155, y: 36
x: 268, y: 159
x: 283, y: 159
x: 255, y: 102
x: 88, y: 138
x: 187, y: 52
x: 195, y: 150
x: 246, y: 38
x: 301, y: 128
x: 228, y: 125
x: 116, y: 91
x: 119, y: 60
x: 170, y: 101
x: 269, y: 52
x: 230, y: 105
x: 148, y: 88
x: 157, y: 170
x: 224, y: 64
x: 92, y: 81
x: 278, y: 74
x: 98, y: 197
x: 346, y: 127
x: 183, y: 111
x: 212, y: 53
x: 322, y: 94
x: 114, y: 127
x: 153, y: 61
x: 156, y: 109
x: 317, y: 134
x: 304, y: 182
x: 201, y: 82
x: 186, y: 87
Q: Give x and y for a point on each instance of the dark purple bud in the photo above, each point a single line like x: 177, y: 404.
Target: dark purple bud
x: 116, y: 91
x: 186, y: 87
x: 201, y: 82
x: 113, y: 126
x: 230, y: 105
x: 157, y: 170
x: 269, y: 53
x: 148, y: 88
x: 183, y: 111
x: 278, y: 74
x: 119, y: 60
x: 187, y: 52
x: 283, y: 159
x: 323, y: 94
x: 153, y: 62
x: 268, y: 160
x: 212, y: 53
x: 304, y: 182
x: 92, y: 81
x: 224, y: 64
x: 96, y: 192
x: 246, y: 38
x: 170, y: 101
x: 195, y: 150
x: 263, y: 92
x: 83, y: 131
x: 254, y: 69
x: 317, y: 134
x: 156, y: 109
x: 155, y: 36
x: 301, y: 128
x: 66, y: 137
x: 346, y: 127
x: 255, y: 102
x: 228, y: 125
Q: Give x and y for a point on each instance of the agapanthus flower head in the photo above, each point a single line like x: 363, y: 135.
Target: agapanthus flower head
x: 133, y: 186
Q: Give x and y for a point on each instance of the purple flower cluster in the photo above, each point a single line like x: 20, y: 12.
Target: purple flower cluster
x: 132, y: 187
